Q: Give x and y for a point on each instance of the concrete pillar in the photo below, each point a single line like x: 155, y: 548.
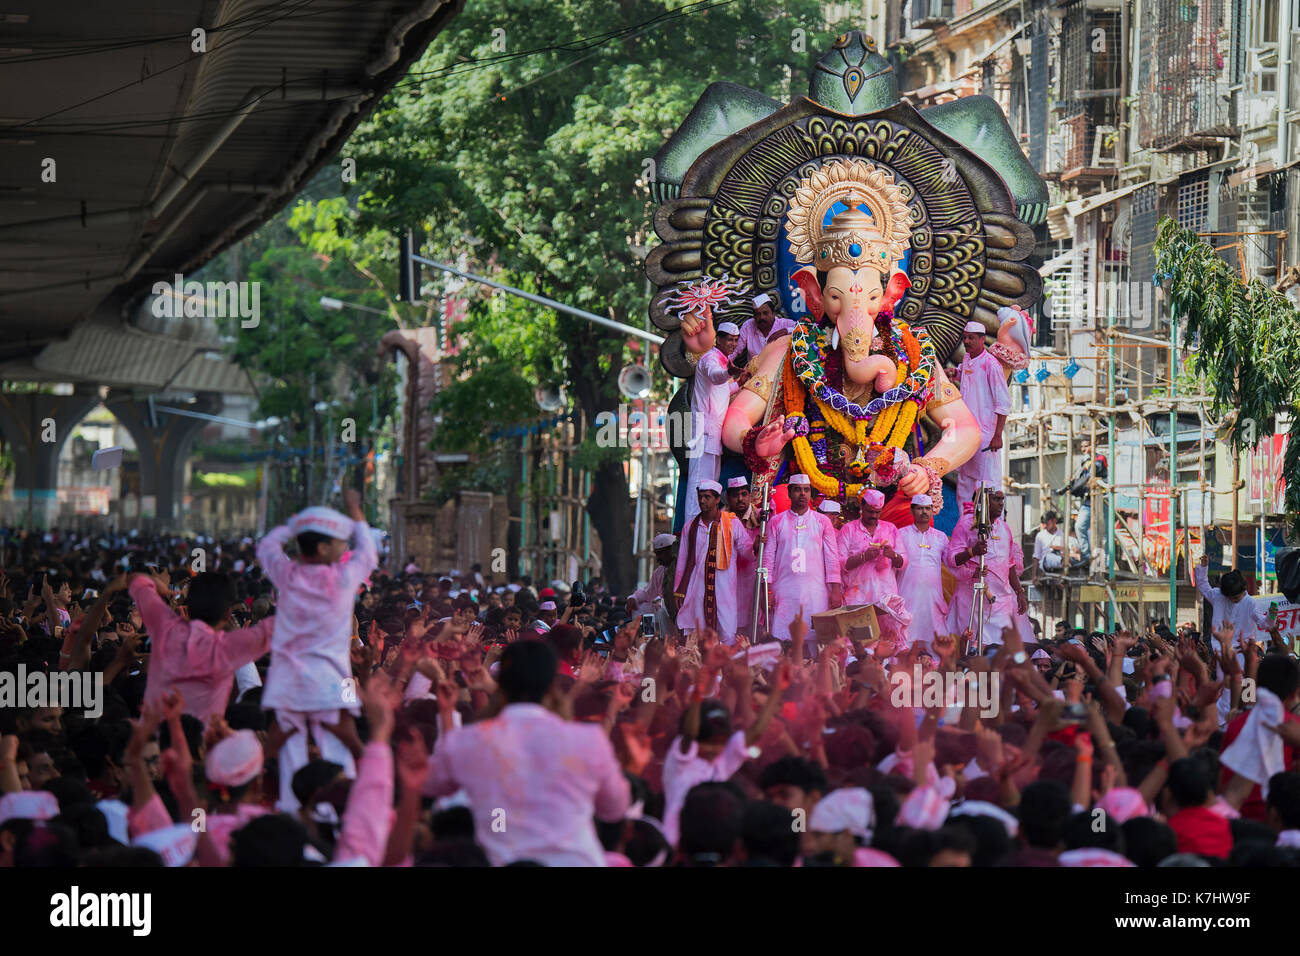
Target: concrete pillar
x: 163, y: 451
x: 35, y: 426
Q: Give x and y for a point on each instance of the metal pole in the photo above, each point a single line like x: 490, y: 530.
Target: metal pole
x: 329, y: 459
x: 1173, y: 467
x: 1113, y: 610
x: 262, y: 503
x: 310, y: 463
x: 760, y: 580
x: 543, y: 300
x: 524, y: 558
x: 1236, y: 480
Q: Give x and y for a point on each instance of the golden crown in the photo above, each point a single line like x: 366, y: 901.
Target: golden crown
x: 853, y: 238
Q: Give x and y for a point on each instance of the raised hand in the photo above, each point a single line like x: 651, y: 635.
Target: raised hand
x: 798, y: 627
x: 352, y: 504
x: 773, y: 437
x: 784, y: 676
x: 697, y: 331
x: 945, y: 645
x: 632, y: 744
x: 622, y: 697
x: 447, y: 693
x: 380, y: 698
x: 717, y: 658
x: 592, y: 668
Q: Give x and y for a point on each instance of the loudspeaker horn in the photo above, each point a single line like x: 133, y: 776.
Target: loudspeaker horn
x: 634, y: 381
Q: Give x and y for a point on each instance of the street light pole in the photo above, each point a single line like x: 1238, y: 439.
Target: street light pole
x: 543, y: 300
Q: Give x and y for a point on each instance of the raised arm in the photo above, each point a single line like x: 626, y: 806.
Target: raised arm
x: 781, y: 679
x: 271, y: 556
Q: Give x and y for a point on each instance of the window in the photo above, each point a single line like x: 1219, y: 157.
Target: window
x: 1194, y: 201
x: 1266, y: 21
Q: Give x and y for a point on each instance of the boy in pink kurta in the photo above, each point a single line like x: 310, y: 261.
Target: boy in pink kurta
x: 310, y: 682
x: 197, y: 657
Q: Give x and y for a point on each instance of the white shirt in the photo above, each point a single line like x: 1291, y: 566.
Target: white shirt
x: 712, y: 393
x: 1247, y: 615
x: 1044, y: 541
x: 647, y: 596
x: 684, y: 770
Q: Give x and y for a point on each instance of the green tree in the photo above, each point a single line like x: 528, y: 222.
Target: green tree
x: 1247, y: 339
x: 300, y: 354
x: 520, y: 142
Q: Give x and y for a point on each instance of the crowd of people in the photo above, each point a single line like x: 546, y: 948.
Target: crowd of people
x: 287, y: 702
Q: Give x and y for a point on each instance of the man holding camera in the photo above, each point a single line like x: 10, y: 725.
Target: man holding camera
x: 1005, y: 602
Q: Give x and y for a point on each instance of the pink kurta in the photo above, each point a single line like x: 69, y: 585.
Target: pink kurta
x: 690, y: 616
x: 921, y: 581
x: 746, y: 579
x: 984, y: 389
x: 802, y: 557
x: 999, y: 600
x: 752, y: 338
x: 873, y: 581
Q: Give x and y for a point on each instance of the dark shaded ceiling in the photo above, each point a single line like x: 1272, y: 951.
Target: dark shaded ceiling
x: 163, y: 155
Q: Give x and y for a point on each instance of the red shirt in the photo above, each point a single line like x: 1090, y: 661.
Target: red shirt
x: 1201, y: 830
x: 1254, y: 807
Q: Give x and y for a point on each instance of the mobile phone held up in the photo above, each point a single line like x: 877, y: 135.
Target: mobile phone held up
x: 647, y: 625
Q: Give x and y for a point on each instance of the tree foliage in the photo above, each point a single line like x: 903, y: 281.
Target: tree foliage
x: 300, y: 353
x: 1248, y: 339
x: 519, y: 144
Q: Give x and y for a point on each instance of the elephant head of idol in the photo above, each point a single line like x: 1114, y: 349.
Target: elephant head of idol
x: 849, y: 221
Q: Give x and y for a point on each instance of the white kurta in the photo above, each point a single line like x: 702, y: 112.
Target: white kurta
x: 690, y: 615
x: 646, y: 595
x: 1247, y: 616
x: 1000, y: 609
x: 921, y: 581
x: 710, y: 396
x: 984, y: 390
x: 873, y: 581
x: 802, y: 557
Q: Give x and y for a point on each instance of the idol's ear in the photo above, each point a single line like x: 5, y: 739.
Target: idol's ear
x: 806, y: 279
x: 898, y: 285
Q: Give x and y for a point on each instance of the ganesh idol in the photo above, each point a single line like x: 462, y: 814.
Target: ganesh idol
x: 846, y: 388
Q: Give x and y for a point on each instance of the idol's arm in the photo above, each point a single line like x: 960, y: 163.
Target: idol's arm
x: 746, y: 408
x: 960, y: 441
